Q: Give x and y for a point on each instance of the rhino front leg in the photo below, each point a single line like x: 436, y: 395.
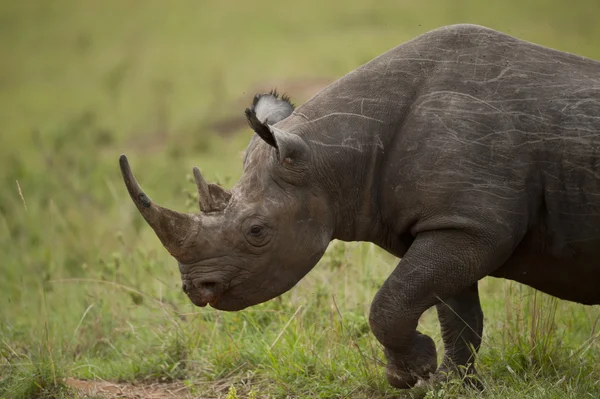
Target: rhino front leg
x: 461, y: 321
x: 439, y: 264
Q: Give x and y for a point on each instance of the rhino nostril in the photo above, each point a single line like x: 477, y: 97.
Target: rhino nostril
x: 207, y: 289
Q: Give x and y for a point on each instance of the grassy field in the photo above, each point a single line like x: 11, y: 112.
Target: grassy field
x: 87, y: 293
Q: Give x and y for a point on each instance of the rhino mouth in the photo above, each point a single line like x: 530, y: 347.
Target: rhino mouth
x: 202, y: 303
x: 203, y: 293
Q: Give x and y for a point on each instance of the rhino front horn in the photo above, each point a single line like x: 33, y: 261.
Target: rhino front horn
x: 135, y: 191
x: 171, y: 227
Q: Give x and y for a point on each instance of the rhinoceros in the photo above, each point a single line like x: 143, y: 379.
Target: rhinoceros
x: 465, y: 152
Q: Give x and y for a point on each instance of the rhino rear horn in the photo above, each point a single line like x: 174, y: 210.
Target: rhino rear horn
x: 211, y: 197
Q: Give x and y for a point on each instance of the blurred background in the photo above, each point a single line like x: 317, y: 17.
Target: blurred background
x: 167, y: 83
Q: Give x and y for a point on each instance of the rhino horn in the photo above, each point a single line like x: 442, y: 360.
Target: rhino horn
x: 211, y: 197
x: 174, y: 229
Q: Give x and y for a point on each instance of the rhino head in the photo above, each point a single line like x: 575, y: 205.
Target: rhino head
x: 255, y: 242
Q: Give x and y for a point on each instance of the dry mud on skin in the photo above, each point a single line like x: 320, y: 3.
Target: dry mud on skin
x: 110, y: 390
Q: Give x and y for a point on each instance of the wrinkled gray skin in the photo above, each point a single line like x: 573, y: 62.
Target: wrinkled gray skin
x: 466, y: 152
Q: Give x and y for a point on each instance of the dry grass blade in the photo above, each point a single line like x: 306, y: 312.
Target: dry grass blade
x: 21, y: 195
x: 285, y: 327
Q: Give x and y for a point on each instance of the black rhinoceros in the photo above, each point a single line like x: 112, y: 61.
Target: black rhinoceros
x: 465, y: 152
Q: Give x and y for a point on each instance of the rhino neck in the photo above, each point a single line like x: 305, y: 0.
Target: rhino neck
x: 354, y: 197
x: 350, y: 126
x: 349, y: 163
x: 355, y: 204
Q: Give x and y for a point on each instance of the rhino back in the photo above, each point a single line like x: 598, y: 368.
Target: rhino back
x: 517, y: 125
x: 468, y: 123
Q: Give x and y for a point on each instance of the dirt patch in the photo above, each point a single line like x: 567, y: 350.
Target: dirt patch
x: 110, y: 390
x: 299, y: 90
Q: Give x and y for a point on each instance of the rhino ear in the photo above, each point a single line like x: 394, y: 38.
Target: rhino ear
x: 270, y: 108
x: 290, y: 147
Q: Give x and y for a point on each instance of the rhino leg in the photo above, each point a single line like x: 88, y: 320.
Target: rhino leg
x: 461, y: 320
x: 439, y: 264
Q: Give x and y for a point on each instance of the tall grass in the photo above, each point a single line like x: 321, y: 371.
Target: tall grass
x: 35, y: 373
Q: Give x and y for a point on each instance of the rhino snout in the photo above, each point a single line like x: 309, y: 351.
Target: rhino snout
x: 202, y: 292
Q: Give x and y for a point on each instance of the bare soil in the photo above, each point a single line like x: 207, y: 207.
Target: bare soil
x: 112, y: 390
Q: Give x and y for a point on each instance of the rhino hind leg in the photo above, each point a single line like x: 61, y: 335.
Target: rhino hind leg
x: 461, y: 321
x: 439, y: 264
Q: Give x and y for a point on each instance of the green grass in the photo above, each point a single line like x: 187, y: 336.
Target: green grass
x: 87, y: 291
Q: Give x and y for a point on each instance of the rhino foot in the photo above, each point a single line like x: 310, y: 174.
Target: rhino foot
x: 404, y: 371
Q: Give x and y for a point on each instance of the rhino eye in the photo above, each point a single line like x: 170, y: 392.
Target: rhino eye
x: 256, y: 230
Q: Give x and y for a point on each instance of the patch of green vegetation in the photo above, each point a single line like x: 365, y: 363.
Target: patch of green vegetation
x: 32, y: 374
x: 87, y: 291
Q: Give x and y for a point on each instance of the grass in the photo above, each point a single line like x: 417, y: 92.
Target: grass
x: 87, y: 291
